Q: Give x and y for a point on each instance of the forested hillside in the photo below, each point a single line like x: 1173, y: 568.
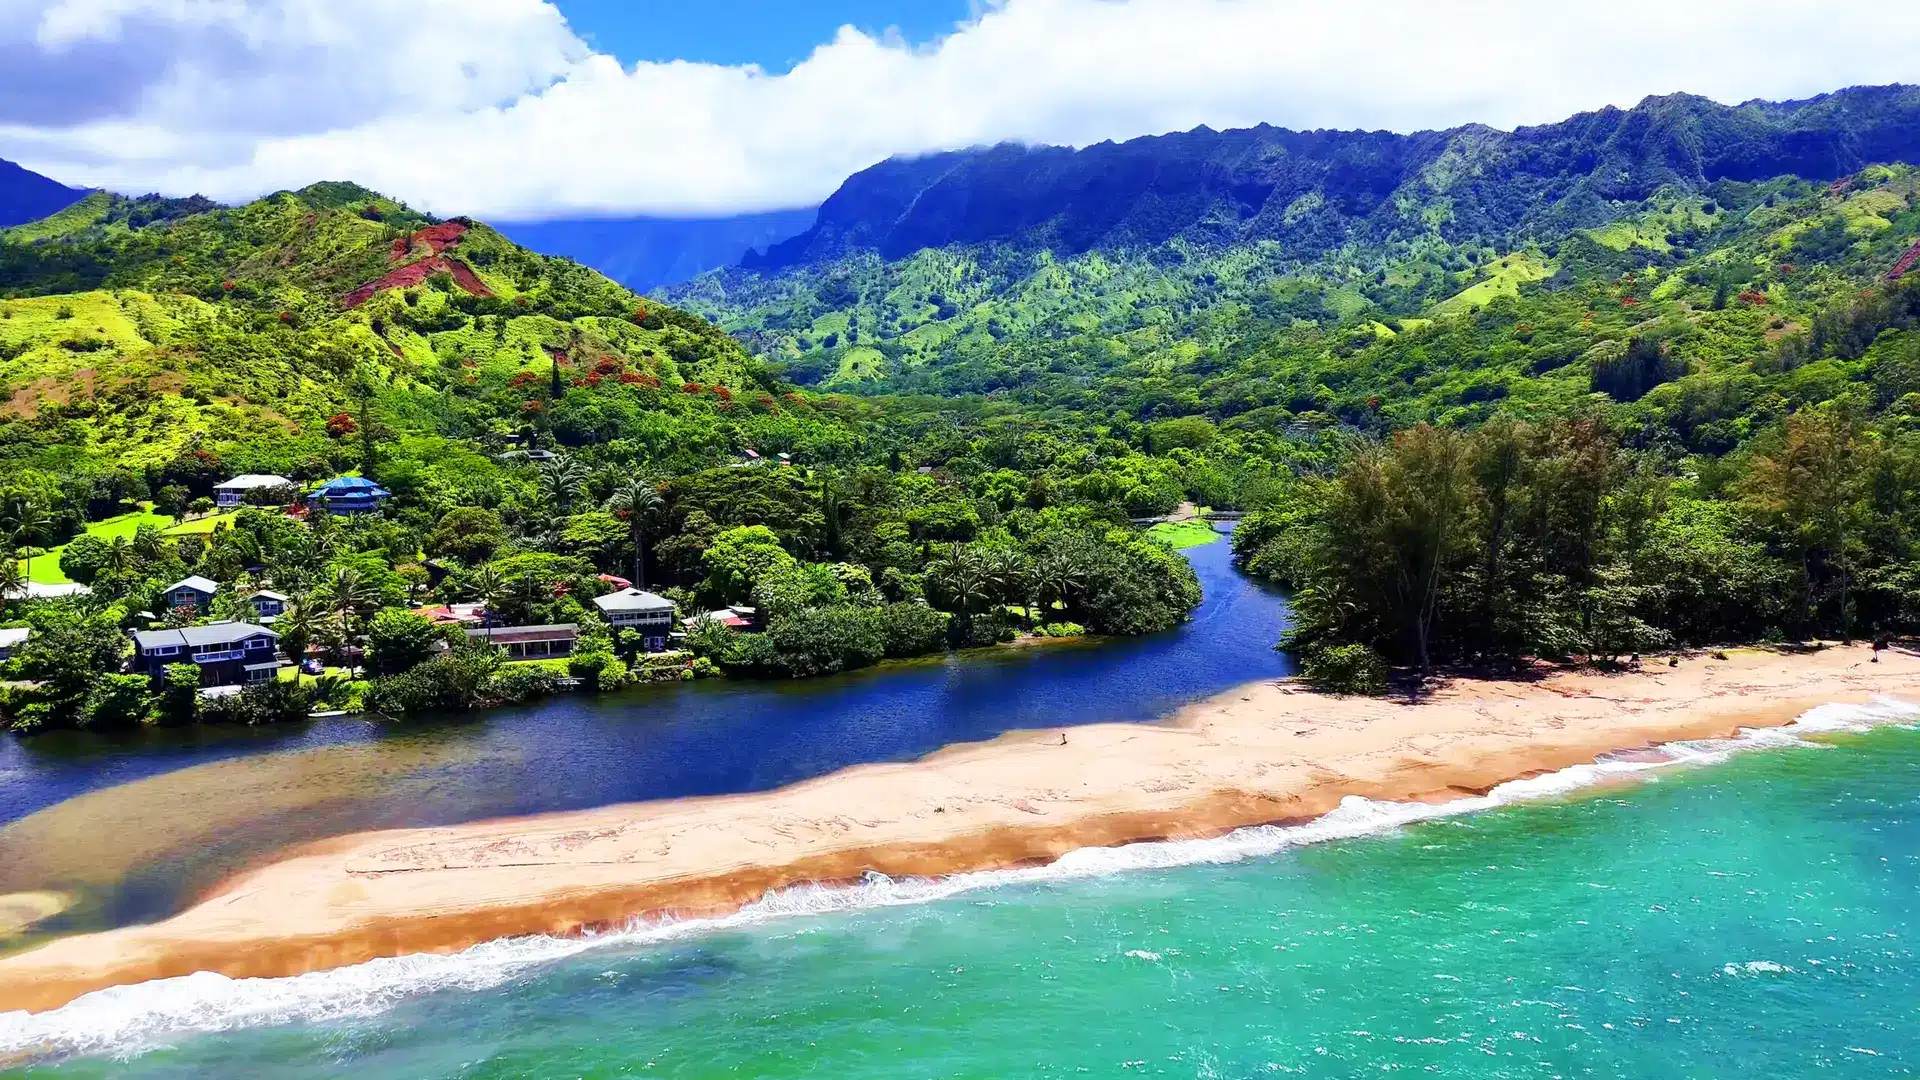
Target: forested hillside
x: 1163, y: 252
x: 546, y: 436
x: 1646, y: 377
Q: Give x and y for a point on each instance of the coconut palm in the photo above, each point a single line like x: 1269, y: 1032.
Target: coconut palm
x: 13, y: 579
x: 119, y: 556
x: 1058, y: 578
x: 638, y: 501
x: 560, y: 482
x: 963, y: 579
x: 487, y: 586
x: 27, y: 522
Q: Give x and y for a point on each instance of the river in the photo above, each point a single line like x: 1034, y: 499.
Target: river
x: 132, y: 827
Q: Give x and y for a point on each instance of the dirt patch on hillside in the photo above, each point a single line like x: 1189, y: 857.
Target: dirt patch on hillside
x: 413, y: 274
x: 436, y: 238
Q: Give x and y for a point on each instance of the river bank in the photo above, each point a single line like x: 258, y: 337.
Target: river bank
x: 1268, y: 752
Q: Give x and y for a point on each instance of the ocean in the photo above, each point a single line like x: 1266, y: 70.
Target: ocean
x: 1743, y: 908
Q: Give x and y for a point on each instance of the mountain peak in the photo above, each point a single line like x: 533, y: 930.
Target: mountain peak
x: 27, y: 196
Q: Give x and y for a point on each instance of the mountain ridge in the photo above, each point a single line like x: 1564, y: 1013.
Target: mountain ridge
x: 26, y: 195
x: 1314, y: 190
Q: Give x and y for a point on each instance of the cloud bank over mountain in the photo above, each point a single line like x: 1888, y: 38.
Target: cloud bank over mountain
x: 497, y: 107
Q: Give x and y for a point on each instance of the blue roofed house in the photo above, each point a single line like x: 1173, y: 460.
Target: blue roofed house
x: 228, y: 653
x: 349, y: 495
x: 193, y: 592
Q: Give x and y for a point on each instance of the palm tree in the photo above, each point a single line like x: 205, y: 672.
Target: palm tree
x: 12, y: 578
x: 147, y: 544
x: 1058, y: 578
x: 487, y: 586
x: 28, y: 524
x: 638, y: 501
x: 560, y: 482
x: 119, y: 556
x: 963, y: 579
x: 298, y: 628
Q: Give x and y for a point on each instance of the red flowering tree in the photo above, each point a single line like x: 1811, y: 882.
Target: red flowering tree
x: 341, y: 425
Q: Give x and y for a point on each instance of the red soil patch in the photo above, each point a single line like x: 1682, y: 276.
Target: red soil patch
x: 413, y: 274
x: 1907, y: 262
x: 438, y: 238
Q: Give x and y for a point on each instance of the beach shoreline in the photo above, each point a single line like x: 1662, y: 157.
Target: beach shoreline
x: 1266, y: 753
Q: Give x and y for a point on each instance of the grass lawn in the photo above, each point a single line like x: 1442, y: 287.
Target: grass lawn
x: 46, y: 568
x: 1184, y: 534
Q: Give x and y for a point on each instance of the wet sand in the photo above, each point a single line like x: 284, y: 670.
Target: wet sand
x: 1265, y: 753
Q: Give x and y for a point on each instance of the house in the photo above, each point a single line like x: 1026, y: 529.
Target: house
x: 530, y: 642
x: 11, y: 640
x: 195, y: 592
x: 733, y: 618
x: 527, y: 455
x: 633, y: 609
x: 234, y: 492
x: 453, y: 614
x: 267, y: 604
x: 350, y: 495
x: 228, y: 653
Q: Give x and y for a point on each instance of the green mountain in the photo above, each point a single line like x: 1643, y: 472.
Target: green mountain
x: 1161, y: 252
x: 141, y: 332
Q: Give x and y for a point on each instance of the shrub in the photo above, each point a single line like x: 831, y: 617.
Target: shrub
x: 910, y: 629
x: 117, y: 701
x: 399, y: 641
x: 461, y: 679
x: 1344, y: 669
x: 524, y: 682
x: 276, y: 702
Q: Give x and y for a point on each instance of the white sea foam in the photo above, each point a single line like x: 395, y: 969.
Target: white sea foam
x: 126, y: 1020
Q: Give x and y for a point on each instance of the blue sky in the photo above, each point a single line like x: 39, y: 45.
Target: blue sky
x: 776, y: 34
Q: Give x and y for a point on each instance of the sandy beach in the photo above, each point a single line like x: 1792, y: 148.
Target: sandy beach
x: 1265, y: 753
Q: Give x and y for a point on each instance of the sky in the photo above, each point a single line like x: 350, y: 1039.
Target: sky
x: 775, y: 34
x: 522, y: 109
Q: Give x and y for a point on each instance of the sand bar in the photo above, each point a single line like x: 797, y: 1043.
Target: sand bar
x: 1265, y: 753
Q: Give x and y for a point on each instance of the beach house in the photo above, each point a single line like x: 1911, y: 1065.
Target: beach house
x: 234, y: 492
x: 193, y: 592
x: 642, y: 612
x: 227, y: 653
x: 349, y: 495
x: 529, y: 642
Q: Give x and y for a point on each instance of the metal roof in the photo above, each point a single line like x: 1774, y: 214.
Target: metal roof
x: 348, y: 486
x: 198, y: 636
x: 632, y: 600
x: 197, y: 583
x: 254, y: 480
x: 11, y: 638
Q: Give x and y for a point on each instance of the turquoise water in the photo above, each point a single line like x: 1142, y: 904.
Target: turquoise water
x: 1749, y: 918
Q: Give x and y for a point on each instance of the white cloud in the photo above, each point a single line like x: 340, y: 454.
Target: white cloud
x: 494, y: 107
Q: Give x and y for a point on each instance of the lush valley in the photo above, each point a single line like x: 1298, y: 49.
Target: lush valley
x: 1668, y: 356
x: 1645, y: 378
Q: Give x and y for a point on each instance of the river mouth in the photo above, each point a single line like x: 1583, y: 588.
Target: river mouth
x: 133, y: 828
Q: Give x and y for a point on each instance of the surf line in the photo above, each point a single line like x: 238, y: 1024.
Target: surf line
x: 132, y: 1018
